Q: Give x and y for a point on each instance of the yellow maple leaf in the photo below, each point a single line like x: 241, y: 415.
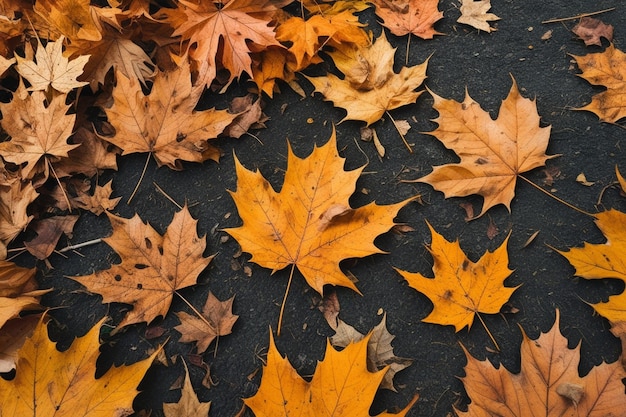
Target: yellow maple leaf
x: 493, y: 152
x: 608, y: 69
x: 547, y: 385
x: 72, y: 18
x: 164, y: 123
x: 341, y: 386
x: 607, y: 260
x: 153, y: 267
x: 52, y: 383
x: 462, y: 288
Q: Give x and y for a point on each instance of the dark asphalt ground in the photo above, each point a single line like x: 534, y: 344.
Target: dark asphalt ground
x: 462, y: 58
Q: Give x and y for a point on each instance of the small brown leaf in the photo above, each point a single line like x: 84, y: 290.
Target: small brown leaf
x: 590, y: 30
x: 49, y: 232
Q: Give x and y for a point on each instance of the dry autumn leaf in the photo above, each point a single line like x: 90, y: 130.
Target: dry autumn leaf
x: 49, y: 231
x: 341, y: 386
x: 547, y: 385
x: 309, y: 224
x: 409, y: 16
x: 217, y: 319
x: 608, y: 69
x: 52, y: 383
x: 461, y: 289
x: 621, y: 180
x: 188, y: 405
x: 15, y: 196
x: 153, y: 267
x: 164, y: 123
x: 493, y: 152
x: 607, y: 260
x: 74, y: 19
x: 591, y: 30
x: 474, y: 13
x: 18, y: 291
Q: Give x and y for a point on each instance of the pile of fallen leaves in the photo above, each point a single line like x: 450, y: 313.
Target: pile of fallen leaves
x: 86, y: 84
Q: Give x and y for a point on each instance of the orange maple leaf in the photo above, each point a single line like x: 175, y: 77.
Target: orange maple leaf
x: 461, y: 288
x: 493, y: 152
x: 63, y: 384
x: 164, y: 123
x: 547, y: 385
x: 153, y: 267
x: 409, y: 16
x: 608, y: 69
x: 219, y: 33
x: 75, y: 19
x: 341, y: 386
x: 607, y: 260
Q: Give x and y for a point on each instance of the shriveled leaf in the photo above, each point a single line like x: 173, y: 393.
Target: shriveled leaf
x: 217, y: 320
x: 493, y: 152
x: 475, y: 13
x: 300, y: 225
x: 98, y: 202
x: 52, y: 383
x: 462, y: 288
x: 548, y: 383
x: 591, y: 30
x: 409, y: 16
x: 49, y: 231
x: 370, y: 87
x: 153, y: 267
x: 607, y: 69
x: 341, y: 386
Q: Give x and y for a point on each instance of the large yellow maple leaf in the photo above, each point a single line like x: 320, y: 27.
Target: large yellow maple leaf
x: 462, y: 288
x: 493, y: 152
x: 370, y: 87
x: 608, y: 69
x: 341, y: 386
x: 548, y: 384
x: 49, y: 383
x: 309, y: 224
x: 164, y: 123
x: 606, y: 260
x: 153, y: 267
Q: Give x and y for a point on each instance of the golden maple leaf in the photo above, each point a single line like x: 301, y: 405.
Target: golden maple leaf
x: 309, y: 224
x: 15, y: 197
x: 164, y: 123
x: 608, y: 69
x: 547, y: 385
x: 39, y: 130
x: 409, y: 16
x: 72, y: 18
x: 462, y: 288
x: 607, y: 260
x: 474, y: 13
x: 153, y: 267
x: 52, y: 383
x: 188, y: 405
x: 493, y: 152
x: 221, y: 33
x: 217, y: 320
x: 341, y: 386
x: 370, y: 87
x: 52, y: 69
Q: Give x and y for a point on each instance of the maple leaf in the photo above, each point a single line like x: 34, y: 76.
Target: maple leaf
x: 309, y: 224
x: 474, y: 13
x: 52, y: 69
x: 221, y: 32
x: 188, y: 405
x: 52, y: 383
x: 18, y: 291
x: 15, y: 197
x: 164, y: 123
x: 608, y: 69
x: 100, y: 201
x: 39, y: 133
x: 73, y: 19
x: 493, y: 152
x: 217, y: 320
x: 590, y: 30
x: 370, y: 87
x: 402, y: 17
x: 341, y: 386
x: 92, y: 157
x: 153, y: 267
x: 607, y: 260
x: 462, y: 288
x: 49, y: 231
x: 547, y: 385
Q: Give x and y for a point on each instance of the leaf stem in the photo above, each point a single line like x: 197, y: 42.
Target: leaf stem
x: 578, y: 16
x: 56, y: 177
x: 80, y: 245
x: 488, y: 332
x: 143, y: 172
x: 398, y: 129
x: 282, y: 306
x: 560, y: 200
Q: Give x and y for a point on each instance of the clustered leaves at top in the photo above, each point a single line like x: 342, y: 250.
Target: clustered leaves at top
x: 91, y: 82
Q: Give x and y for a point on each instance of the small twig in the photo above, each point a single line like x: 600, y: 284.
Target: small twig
x: 282, y: 306
x: 578, y: 16
x: 560, y: 200
x: 159, y: 189
x: 56, y: 177
x: 143, y: 172
x: 488, y: 332
x: 80, y: 245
